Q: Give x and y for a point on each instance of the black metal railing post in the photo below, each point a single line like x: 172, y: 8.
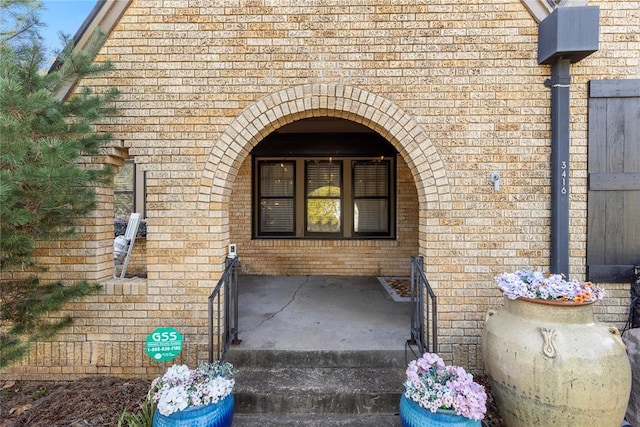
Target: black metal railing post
x: 234, y: 300
x: 223, y: 304
x: 424, y: 314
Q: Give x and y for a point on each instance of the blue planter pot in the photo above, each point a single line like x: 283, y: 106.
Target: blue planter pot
x: 217, y: 415
x: 413, y: 415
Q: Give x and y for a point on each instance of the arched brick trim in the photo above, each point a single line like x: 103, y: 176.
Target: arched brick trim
x: 320, y: 100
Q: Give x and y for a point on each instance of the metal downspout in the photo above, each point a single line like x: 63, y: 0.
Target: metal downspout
x: 560, y: 94
x: 566, y: 36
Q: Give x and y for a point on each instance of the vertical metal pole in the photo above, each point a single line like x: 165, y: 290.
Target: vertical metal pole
x: 414, y: 298
x: 234, y: 293
x: 225, y: 315
x: 424, y: 332
x: 424, y: 338
x: 210, y: 313
x: 220, y: 330
x: 434, y: 323
x: 560, y: 84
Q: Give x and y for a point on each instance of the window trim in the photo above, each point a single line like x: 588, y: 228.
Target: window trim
x: 346, y: 196
x: 391, y: 189
x: 305, y: 200
x: 256, y: 183
x: 344, y: 146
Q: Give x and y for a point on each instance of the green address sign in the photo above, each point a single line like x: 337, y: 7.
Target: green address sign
x: 164, y: 344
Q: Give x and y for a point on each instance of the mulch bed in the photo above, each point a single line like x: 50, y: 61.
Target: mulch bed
x: 93, y: 401
x: 402, y: 287
x: 492, y: 418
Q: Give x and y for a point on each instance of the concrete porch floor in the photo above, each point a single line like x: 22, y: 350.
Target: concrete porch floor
x: 319, y: 313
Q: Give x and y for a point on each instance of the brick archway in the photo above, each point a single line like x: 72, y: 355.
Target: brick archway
x: 289, y: 105
x: 318, y: 100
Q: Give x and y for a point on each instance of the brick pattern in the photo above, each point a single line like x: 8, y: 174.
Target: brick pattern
x: 325, y: 257
x: 453, y: 85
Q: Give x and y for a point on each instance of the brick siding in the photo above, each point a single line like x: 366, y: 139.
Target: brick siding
x: 453, y: 85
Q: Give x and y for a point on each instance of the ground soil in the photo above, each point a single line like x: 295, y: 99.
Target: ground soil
x: 96, y: 401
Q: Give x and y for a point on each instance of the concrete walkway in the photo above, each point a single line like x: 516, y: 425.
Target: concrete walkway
x: 319, y: 313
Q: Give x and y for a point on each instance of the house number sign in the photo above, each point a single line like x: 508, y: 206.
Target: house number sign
x: 164, y: 344
x: 563, y: 187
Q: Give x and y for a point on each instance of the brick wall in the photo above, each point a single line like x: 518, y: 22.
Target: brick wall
x: 453, y: 85
x: 325, y: 257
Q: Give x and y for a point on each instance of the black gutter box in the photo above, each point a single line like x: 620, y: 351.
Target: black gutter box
x: 570, y: 33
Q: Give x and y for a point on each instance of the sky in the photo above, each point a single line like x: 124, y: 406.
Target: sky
x: 62, y: 15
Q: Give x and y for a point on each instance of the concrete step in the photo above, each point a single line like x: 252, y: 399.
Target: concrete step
x: 315, y: 359
x: 318, y: 390
x: 289, y: 385
x: 316, y: 420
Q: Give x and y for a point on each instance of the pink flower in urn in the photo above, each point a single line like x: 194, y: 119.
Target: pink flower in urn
x: 434, y: 385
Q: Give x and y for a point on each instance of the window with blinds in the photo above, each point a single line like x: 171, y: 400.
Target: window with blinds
x: 371, y: 197
x: 324, y: 186
x: 276, y: 197
x: 323, y: 196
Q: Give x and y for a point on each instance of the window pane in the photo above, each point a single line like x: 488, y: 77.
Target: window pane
x: 276, y: 195
x: 276, y: 216
x: 323, y: 215
x: 371, y: 179
x: 371, y: 204
x: 276, y: 179
x: 371, y: 216
x: 324, y: 180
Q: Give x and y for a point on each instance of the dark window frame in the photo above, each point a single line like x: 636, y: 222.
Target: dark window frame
x: 260, y: 198
x: 391, y: 194
x: 349, y: 150
x: 308, y: 198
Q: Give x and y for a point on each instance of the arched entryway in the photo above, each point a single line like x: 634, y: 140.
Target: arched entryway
x: 291, y: 105
x: 228, y: 190
x: 324, y: 196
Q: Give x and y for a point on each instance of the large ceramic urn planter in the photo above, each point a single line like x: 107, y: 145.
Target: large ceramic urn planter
x: 551, y: 364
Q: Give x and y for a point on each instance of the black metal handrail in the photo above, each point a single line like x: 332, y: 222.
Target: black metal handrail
x: 424, y: 314
x: 223, y: 304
